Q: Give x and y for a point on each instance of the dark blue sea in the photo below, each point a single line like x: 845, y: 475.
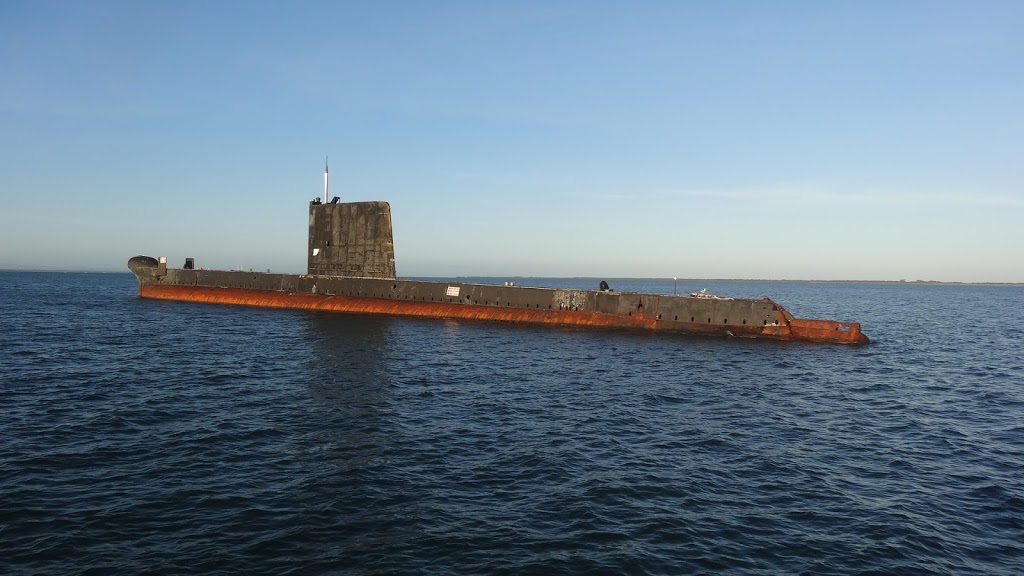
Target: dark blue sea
x: 148, y: 437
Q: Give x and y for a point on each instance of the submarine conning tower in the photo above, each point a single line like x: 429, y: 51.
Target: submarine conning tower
x: 350, y: 239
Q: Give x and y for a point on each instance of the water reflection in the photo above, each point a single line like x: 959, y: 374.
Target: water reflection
x: 348, y: 367
x: 357, y: 449
x: 350, y: 382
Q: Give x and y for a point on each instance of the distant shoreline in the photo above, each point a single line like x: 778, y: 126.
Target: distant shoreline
x: 906, y: 282
x: 614, y: 278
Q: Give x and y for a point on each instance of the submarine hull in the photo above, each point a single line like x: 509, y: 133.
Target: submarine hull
x: 696, y: 315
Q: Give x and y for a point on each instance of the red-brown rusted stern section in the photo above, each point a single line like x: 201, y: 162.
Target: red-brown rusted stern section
x: 823, y: 331
x: 827, y: 331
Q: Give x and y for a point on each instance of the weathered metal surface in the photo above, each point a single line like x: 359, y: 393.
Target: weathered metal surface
x: 741, y: 318
x: 827, y: 331
x: 351, y: 239
x: 144, y: 268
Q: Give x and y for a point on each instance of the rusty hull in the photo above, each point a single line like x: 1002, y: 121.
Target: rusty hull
x: 762, y: 319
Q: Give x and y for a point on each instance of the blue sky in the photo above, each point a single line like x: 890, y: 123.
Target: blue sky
x: 800, y: 140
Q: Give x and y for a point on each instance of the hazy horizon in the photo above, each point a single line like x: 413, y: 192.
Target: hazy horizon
x: 516, y: 277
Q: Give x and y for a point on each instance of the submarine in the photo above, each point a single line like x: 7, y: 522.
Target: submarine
x: 351, y: 269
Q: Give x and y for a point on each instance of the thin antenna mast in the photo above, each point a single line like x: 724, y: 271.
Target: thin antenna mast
x: 326, y: 199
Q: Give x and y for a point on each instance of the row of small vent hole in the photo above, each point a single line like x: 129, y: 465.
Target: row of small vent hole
x: 692, y: 319
x: 575, y: 308
x: 432, y: 299
x: 486, y: 303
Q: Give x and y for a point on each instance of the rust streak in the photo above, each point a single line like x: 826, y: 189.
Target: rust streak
x: 795, y: 329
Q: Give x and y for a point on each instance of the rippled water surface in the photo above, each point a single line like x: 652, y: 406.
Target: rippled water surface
x: 138, y: 435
